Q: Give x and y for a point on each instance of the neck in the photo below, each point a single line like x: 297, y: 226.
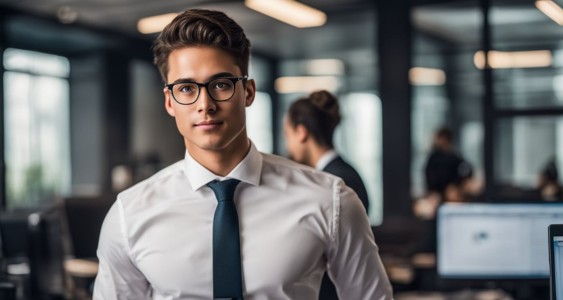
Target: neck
x: 222, y: 161
x: 315, y: 153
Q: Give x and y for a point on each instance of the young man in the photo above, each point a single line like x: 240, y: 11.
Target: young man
x: 171, y: 236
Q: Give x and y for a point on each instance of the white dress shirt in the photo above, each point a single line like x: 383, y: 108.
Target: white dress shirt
x: 295, y: 221
x: 325, y: 159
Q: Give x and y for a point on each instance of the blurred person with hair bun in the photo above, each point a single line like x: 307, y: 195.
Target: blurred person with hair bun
x: 308, y: 129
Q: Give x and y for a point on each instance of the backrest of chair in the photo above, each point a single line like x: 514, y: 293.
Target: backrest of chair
x: 45, y: 254
x: 7, y: 290
x: 84, y: 216
x: 13, y: 235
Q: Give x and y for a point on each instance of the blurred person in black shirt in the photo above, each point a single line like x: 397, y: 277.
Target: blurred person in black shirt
x: 548, y: 183
x: 448, y: 179
x: 446, y: 171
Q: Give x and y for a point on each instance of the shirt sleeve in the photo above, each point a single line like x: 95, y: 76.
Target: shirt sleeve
x: 118, y: 277
x: 354, y: 264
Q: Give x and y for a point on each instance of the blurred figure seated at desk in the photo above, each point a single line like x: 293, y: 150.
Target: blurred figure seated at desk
x: 548, y: 184
x: 449, y: 177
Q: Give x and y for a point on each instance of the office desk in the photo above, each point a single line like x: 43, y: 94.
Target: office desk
x: 459, y: 295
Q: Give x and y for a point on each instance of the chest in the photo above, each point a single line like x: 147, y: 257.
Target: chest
x: 280, y: 246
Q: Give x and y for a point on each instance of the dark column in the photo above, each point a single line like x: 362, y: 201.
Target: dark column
x: 86, y: 99
x: 394, y: 52
x: 2, y: 145
x: 117, y: 115
x: 100, y: 118
x: 488, y: 103
x: 270, y: 89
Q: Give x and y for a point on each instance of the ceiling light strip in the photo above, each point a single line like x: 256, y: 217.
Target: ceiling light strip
x: 289, y: 11
x: 426, y: 76
x: 306, y: 84
x: 155, y: 23
x: 515, y: 59
x: 551, y: 9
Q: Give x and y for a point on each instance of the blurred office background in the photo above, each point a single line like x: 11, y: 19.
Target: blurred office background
x: 82, y: 115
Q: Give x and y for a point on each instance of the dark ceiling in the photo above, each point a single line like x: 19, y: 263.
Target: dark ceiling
x: 350, y: 22
x: 350, y: 26
x: 349, y: 34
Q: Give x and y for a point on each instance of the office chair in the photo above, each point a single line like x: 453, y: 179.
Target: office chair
x: 31, y: 256
x: 14, y: 253
x: 82, y: 221
x: 46, y: 278
x: 7, y: 290
x: 13, y: 239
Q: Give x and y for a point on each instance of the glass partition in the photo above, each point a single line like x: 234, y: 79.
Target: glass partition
x: 447, y: 89
x: 36, y: 114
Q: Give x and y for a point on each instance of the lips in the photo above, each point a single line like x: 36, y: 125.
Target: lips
x: 208, y: 124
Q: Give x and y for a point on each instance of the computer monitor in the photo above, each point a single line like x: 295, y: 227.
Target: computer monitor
x: 495, y: 240
x: 555, y: 244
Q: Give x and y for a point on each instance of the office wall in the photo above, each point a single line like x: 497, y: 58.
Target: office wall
x: 153, y: 131
x: 100, y: 114
x: 86, y: 124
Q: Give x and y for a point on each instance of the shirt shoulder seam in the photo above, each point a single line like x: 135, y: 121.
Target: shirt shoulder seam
x: 335, y: 211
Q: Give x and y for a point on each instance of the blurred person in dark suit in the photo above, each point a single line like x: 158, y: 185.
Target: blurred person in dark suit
x: 308, y: 129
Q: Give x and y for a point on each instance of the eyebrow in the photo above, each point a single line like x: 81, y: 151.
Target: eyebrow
x: 215, y: 76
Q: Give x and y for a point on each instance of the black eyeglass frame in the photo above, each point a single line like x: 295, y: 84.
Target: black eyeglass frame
x: 234, y: 80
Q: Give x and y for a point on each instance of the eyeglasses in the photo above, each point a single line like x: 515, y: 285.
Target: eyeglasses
x: 220, y: 89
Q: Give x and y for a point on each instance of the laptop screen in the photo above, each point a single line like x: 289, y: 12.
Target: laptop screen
x: 489, y: 240
x: 556, y: 261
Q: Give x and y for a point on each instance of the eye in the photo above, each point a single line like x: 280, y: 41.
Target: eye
x: 222, y: 84
x: 186, y: 88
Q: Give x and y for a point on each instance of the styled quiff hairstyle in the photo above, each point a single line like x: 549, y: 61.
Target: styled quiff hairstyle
x: 199, y: 27
x: 319, y: 113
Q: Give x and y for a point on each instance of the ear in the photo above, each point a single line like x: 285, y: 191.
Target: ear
x: 250, y: 92
x: 302, y: 133
x: 168, y: 105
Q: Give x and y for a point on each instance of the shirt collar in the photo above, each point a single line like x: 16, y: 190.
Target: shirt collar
x: 327, y: 157
x: 248, y: 170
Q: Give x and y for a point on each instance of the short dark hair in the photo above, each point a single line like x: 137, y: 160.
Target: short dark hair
x: 199, y: 27
x: 550, y: 171
x: 319, y: 113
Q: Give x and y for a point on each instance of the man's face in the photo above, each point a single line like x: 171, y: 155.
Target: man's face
x: 208, y: 125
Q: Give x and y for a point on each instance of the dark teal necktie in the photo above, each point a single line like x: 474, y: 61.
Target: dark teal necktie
x: 227, y: 271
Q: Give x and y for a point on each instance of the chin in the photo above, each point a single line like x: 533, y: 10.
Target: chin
x: 211, y: 146
x: 205, y: 144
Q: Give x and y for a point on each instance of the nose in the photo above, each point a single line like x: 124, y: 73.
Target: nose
x: 205, y: 103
